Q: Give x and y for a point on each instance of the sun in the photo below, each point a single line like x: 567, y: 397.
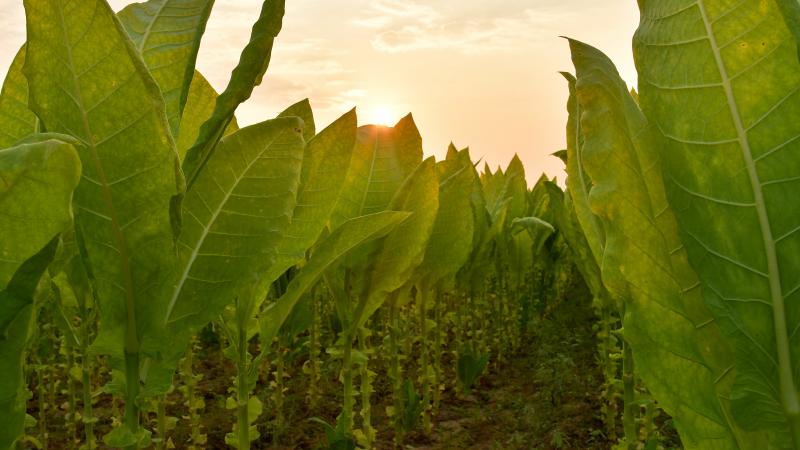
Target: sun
x: 381, y: 115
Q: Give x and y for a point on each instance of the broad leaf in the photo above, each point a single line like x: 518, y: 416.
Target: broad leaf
x: 516, y: 189
x: 36, y: 184
x: 104, y: 96
x: 344, y: 239
x: 578, y: 182
x: 791, y: 15
x: 253, y: 63
x: 679, y: 351
x: 450, y: 243
x: 383, y: 157
x: 199, y: 108
x: 302, y: 109
x: 167, y: 34
x: 567, y: 224
x: 403, y: 250
x: 235, y: 215
x: 325, y: 163
x: 16, y: 120
x: 730, y: 124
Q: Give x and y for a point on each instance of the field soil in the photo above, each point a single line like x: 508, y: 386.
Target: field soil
x: 546, y: 396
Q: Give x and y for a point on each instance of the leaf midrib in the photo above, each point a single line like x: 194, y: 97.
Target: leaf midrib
x: 149, y: 29
x: 787, y: 387
x: 369, y: 174
x: 132, y: 339
x: 207, y: 229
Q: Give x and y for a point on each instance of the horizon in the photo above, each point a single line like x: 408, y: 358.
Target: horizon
x: 490, y: 72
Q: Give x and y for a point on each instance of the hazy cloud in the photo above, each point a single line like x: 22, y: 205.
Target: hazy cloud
x: 403, y: 26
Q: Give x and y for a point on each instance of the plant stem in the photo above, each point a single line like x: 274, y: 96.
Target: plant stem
x: 86, y: 381
x: 629, y: 413
x: 131, y: 394
x: 42, y: 402
x: 395, y: 371
x: 348, y: 403
x: 437, y: 351
x: 242, y: 391
x: 73, y: 396
x: 88, y: 413
x: 366, y: 392
x: 162, y: 422
x: 424, y: 360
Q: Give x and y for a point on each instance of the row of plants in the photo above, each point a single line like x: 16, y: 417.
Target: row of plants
x: 158, y: 219
x: 681, y: 211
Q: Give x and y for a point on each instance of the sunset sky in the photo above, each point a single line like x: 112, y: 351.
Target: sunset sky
x: 481, y: 73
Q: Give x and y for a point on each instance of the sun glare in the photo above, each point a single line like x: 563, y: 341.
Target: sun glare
x: 381, y: 115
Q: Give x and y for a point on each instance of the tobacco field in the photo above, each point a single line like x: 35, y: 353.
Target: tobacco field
x: 170, y: 279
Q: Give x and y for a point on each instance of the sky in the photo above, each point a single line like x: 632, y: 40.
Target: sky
x: 479, y: 73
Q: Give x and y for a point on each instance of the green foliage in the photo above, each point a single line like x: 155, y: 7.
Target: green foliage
x: 16, y: 120
x: 44, y: 174
x: 732, y: 173
x: 412, y: 406
x: 471, y: 365
x: 167, y: 34
x: 338, y: 438
x: 253, y: 63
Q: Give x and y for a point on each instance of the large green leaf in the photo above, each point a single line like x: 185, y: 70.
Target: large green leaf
x: 302, y: 109
x: 199, y: 108
x: 567, y: 224
x: 87, y: 80
x: 403, y: 250
x: 325, y: 163
x: 253, y: 63
x: 680, y: 353
x: 383, y: 157
x: 480, y: 214
x: 729, y: 116
x: 42, y: 175
x: 516, y: 189
x: 36, y: 184
x: 16, y: 120
x: 235, y: 215
x: 493, y: 190
x: 167, y: 34
x: 344, y: 239
x: 791, y: 15
x: 578, y: 182
x: 450, y: 243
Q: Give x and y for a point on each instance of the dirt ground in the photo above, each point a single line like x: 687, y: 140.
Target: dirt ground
x: 543, y: 397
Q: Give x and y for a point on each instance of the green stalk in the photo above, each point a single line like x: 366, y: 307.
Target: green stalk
x: 88, y: 419
x: 131, y: 419
x: 437, y: 351
x: 316, y: 348
x: 424, y: 362
x: 629, y: 396
x: 607, y: 346
x: 395, y: 371
x: 162, y: 422
x: 648, y: 425
x: 190, y: 383
x: 242, y: 391
x: 86, y: 381
x: 348, y: 403
x: 73, y: 396
x: 279, y: 401
x: 42, y: 402
x: 366, y: 392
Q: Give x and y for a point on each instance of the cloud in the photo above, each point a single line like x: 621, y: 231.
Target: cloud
x: 404, y: 26
x: 310, y: 68
x: 407, y: 10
